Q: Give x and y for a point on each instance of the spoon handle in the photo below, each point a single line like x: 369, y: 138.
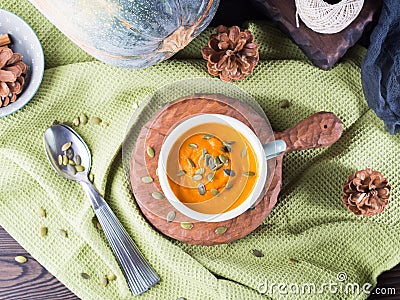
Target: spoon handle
x: 138, y: 273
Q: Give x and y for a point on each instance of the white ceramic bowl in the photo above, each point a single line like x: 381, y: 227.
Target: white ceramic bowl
x: 25, y: 42
x: 220, y: 119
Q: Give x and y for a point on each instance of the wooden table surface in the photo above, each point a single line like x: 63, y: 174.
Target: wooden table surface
x: 31, y: 281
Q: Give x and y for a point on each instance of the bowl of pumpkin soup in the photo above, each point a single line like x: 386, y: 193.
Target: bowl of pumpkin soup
x: 213, y: 167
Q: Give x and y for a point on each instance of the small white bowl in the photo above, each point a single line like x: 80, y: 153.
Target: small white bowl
x: 238, y: 126
x: 25, y: 42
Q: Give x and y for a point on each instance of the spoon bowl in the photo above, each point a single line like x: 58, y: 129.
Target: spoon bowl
x: 54, y: 138
x: 139, y: 274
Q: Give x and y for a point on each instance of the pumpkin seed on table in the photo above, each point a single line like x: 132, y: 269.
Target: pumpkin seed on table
x: 197, y: 177
x: 171, y: 216
x: 150, y: 151
x: 147, y: 179
x: 199, y: 171
x: 207, y: 136
x: 221, y: 230
x: 111, y: 277
x: 193, y: 146
x: 66, y: 146
x: 285, y: 104
x: 186, y: 225
x: 76, y: 121
x: 78, y: 159
x: 43, y: 231
x: 41, y: 212
x: 190, y: 162
x: 181, y: 173
x: 62, y: 233
x: 201, y: 189
x: 85, y: 275
x: 257, y: 253
x: 249, y: 174
x: 157, y: 195
x: 229, y: 172
x: 21, y: 259
x: 95, y: 121
x: 83, y: 119
x: 104, y: 281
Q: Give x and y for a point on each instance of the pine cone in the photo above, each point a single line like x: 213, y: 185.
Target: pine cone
x: 366, y: 192
x: 12, y: 75
x: 231, y: 53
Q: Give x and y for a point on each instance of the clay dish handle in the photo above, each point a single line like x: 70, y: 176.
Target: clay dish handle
x: 319, y: 130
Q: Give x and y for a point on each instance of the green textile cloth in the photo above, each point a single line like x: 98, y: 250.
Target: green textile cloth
x: 309, y: 224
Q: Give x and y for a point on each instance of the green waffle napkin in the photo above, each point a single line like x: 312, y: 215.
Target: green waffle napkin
x: 309, y: 225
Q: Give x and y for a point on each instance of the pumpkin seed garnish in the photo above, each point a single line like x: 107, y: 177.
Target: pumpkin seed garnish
x: 171, y: 216
x: 41, y: 212
x: 43, y: 231
x: 20, y: 259
x: 217, y: 161
x: 221, y: 230
x: 224, y: 149
x: 197, y: 177
x: 65, y: 160
x: 60, y: 159
x: 204, y: 151
x: 147, y: 179
x: 285, y: 104
x: 193, y: 146
x: 257, y: 253
x: 111, y: 277
x: 79, y: 168
x: 85, y: 275
x: 207, y: 136
x: 201, y: 188
x: 63, y: 233
x: 210, y: 177
x: 95, y: 120
x: 190, y: 162
x: 104, y: 281
x: 200, y: 171
x: 244, y: 152
x: 211, y: 162
x: 83, y: 119
x: 78, y: 159
x: 150, y: 151
x: 157, y: 195
x: 181, y: 173
x: 223, y: 158
x: 229, y: 185
x: 214, y: 192
x: 249, y: 174
x: 70, y: 153
x: 71, y: 169
x: 186, y: 225
x: 75, y: 121
x: 228, y: 143
x: 66, y: 146
x: 229, y: 172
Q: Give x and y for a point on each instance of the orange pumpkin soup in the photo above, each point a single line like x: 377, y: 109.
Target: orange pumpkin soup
x: 212, y: 168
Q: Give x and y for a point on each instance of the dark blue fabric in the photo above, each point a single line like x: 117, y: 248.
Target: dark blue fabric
x: 380, y: 71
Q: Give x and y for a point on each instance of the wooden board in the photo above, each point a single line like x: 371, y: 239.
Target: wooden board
x: 324, y: 50
x: 320, y: 130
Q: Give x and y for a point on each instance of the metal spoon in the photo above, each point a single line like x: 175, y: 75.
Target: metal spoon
x: 138, y: 273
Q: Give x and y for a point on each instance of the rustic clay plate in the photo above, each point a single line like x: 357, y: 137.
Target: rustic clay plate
x: 25, y: 42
